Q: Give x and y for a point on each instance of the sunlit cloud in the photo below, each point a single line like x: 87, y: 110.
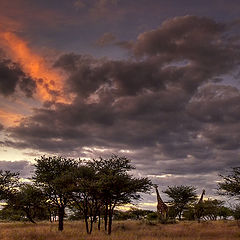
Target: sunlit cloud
x: 50, y: 83
x: 8, y: 118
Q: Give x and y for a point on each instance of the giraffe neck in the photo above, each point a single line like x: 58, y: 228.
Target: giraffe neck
x: 201, y: 198
x: 158, y: 197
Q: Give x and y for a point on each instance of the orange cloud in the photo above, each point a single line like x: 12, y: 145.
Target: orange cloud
x: 50, y: 84
x: 9, y: 119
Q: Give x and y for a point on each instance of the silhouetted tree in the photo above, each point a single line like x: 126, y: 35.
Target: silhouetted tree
x: 230, y: 184
x: 180, y: 197
x: 8, y: 183
x: 116, y: 185
x: 85, y: 194
x: 53, y: 176
x: 211, y: 209
x: 30, y: 200
x: 236, y: 214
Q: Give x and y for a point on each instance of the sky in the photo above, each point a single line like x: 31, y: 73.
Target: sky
x: 156, y: 81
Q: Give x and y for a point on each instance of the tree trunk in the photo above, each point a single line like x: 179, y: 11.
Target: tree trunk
x: 60, y: 218
x: 50, y: 215
x: 29, y: 217
x: 91, y: 225
x: 86, y: 222
x: 180, y: 215
x: 110, y: 220
x: 106, y: 217
x: 99, y: 220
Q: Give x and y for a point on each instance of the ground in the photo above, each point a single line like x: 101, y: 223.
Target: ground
x: 125, y: 230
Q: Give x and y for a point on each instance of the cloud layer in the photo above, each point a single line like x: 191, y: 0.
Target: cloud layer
x: 166, y: 106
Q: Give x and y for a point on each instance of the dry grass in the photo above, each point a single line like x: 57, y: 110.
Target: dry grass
x: 128, y: 230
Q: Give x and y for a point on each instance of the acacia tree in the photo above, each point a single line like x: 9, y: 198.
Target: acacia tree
x: 8, y: 183
x: 180, y: 197
x: 212, y: 209
x: 30, y: 200
x: 116, y: 185
x: 85, y: 194
x: 52, y: 175
x: 230, y: 184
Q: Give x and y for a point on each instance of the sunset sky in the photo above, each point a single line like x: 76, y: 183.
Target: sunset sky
x: 154, y: 80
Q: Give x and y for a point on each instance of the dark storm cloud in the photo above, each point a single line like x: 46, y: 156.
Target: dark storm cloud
x: 164, y: 108
x: 11, y: 76
x: 28, y: 86
x: 186, y: 35
x: 1, y: 127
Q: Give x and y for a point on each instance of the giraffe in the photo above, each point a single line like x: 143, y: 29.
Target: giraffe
x: 162, y: 208
x: 199, y: 207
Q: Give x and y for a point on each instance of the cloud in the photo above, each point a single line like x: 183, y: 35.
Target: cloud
x: 11, y: 76
x: 162, y: 107
x: 187, y: 35
x: 100, y: 9
x: 105, y: 39
x: 24, y: 168
x: 49, y: 83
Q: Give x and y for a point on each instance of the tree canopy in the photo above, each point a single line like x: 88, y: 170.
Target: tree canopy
x: 180, y: 196
x: 53, y: 176
x: 230, y: 184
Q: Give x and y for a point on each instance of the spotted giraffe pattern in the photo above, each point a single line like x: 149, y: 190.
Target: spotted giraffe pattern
x: 162, y: 208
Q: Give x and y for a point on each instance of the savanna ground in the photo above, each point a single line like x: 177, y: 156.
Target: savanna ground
x: 124, y: 230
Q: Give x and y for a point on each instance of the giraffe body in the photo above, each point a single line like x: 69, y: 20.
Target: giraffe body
x: 199, y: 207
x: 162, y: 208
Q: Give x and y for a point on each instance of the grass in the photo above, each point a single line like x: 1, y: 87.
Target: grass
x: 126, y: 230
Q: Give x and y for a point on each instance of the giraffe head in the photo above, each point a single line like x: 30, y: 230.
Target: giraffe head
x: 203, y: 191
x: 155, y: 186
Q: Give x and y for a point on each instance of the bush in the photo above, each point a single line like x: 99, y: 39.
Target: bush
x: 236, y: 213
x: 152, y: 216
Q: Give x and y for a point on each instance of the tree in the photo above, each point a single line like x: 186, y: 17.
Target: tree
x: 224, y: 212
x: 8, y: 183
x: 211, y: 209
x: 236, y: 214
x: 230, y: 184
x: 53, y: 176
x: 116, y: 185
x: 85, y: 194
x: 30, y: 200
x: 180, y: 197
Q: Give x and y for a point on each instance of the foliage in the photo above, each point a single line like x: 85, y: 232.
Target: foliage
x: 152, y: 216
x: 189, y: 213
x: 53, y: 176
x: 180, y: 197
x: 8, y: 183
x: 90, y: 187
x: 211, y: 209
x: 30, y: 200
x: 231, y: 184
x: 116, y: 185
x: 133, y: 214
x: 10, y: 214
x: 224, y: 212
x: 85, y: 194
x: 236, y: 212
